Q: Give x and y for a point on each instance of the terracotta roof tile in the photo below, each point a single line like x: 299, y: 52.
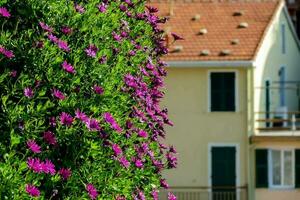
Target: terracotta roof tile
x: 222, y: 26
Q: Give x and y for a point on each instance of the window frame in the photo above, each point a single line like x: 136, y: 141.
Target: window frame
x: 270, y: 168
x: 236, y: 95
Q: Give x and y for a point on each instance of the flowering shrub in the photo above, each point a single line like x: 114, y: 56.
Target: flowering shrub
x: 80, y: 85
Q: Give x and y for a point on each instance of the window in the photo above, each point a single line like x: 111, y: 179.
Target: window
x: 222, y: 91
x: 283, y: 44
x: 277, y: 168
x: 281, y: 168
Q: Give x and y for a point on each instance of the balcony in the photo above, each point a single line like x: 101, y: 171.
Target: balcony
x: 206, y: 193
x: 276, y: 126
x: 277, y: 109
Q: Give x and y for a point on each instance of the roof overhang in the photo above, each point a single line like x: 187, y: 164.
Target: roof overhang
x: 206, y: 64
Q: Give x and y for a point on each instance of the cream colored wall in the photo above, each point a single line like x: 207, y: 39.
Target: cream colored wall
x: 269, y: 61
x: 195, y: 127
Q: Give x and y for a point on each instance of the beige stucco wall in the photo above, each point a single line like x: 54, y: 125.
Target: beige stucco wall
x: 195, y: 128
x: 269, y: 61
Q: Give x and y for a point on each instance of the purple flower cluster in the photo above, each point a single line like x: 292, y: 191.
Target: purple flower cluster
x: 7, y: 53
x: 144, y: 87
x: 38, y: 166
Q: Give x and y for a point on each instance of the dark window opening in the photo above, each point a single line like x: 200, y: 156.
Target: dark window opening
x: 222, y: 91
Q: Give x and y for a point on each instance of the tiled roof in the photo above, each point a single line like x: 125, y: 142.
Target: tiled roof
x: 216, y: 30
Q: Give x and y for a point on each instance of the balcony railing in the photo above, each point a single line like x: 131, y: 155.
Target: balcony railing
x: 277, y: 121
x: 206, y: 193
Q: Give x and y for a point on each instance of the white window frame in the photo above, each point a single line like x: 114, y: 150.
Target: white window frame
x: 236, y: 81
x: 270, y: 169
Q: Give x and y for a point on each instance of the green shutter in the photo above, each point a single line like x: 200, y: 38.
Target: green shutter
x: 297, y: 168
x: 223, y: 91
x: 261, y: 162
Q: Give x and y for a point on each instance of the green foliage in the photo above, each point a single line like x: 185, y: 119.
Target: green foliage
x: 37, y: 67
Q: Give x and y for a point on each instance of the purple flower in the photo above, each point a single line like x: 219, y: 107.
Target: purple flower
x: 45, y: 27
x: 102, y: 7
x: 123, y: 7
x: 124, y: 34
x: 63, y: 45
x: 124, y: 162
x: 164, y: 184
x: 68, y: 67
x: 117, y: 149
x: 35, y: 164
x: 81, y: 116
x: 50, y: 138
x: 172, y: 149
x: 109, y: 119
x: 102, y: 59
x: 13, y: 73
x: 65, y: 173
x: 79, y: 8
x: 4, y: 12
x: 91, y: 51
x: 52, y: 121
x: 39, y: 44
x: 116, y: 36
x: 28, y: 92
x: 171, y: 196
x: 92, y: 191
x: 152, y: 9
x: 176, y: 37
x: 132, y: 53
x: 53, y: 38
x: 48, y: 167
x: 98, y: 89
x: 172, y: 160
x: 66, y: 119
x: 154, y: 194
x: 32, y: 190
x: 33, y: 146
x: 7, y: 53
x: 139, y: 163
x: 92, y: 125
x: 58, y: 94
x: 66, y: 30
x: 142, y: 134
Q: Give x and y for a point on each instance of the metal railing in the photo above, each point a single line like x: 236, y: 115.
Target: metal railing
x: 206, y: 193
x: 277, y: 121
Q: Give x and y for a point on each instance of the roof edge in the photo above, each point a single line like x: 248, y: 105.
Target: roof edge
x: 200, y: 64
x: 267, y: 30
x: 291, y: 25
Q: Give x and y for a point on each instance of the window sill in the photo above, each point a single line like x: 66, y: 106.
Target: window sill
x: 274, y: 188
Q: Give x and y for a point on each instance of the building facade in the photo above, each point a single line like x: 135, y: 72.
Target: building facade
x: 233, y: 94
